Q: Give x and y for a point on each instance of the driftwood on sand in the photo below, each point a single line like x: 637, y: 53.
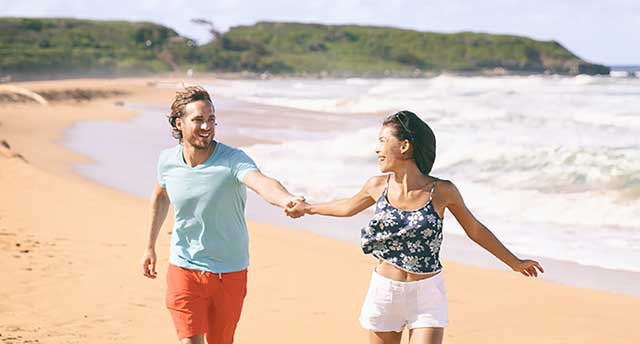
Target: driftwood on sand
x: 15, y: 94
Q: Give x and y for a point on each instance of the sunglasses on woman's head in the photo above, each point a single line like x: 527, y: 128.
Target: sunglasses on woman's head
x: 401, y: 117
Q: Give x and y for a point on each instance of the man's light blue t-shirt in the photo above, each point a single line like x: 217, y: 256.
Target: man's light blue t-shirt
x: 210, y: 232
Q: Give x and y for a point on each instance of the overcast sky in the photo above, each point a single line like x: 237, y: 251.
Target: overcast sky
x: 605, y: 32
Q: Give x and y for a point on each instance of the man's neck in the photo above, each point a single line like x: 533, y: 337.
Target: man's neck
x: 195, y: 156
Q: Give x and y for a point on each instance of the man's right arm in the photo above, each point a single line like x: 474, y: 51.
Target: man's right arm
x: 159, y: 207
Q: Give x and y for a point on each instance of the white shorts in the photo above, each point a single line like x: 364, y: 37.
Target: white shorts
x: 391, y: 305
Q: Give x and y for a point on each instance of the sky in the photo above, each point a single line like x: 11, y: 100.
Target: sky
x: 606, y: 32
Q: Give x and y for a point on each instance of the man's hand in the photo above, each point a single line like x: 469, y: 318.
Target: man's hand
x: 296, y: 207
x: 149, y: 264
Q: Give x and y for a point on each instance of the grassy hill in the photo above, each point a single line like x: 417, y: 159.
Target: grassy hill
x: 62, y: 45
x: 33, y: 47
x: 362, y: 49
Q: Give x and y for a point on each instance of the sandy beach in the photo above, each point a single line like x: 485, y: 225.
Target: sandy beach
x: 70, y: 250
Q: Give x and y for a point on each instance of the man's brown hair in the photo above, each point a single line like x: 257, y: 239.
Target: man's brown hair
x: 183, y: 97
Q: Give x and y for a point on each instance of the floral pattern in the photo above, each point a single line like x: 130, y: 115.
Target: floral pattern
x: 415, y: 217
x: 410, y: 240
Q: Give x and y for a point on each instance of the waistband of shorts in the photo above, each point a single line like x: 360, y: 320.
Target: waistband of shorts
x: 375, y: 276
x: 203, y: 272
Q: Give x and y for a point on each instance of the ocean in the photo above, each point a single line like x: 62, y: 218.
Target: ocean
x: 551, y: 164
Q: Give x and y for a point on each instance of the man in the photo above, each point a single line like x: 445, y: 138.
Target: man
x: 205, y: 182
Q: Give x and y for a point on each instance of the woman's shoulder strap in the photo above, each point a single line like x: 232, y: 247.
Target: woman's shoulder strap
x: 433, y: 188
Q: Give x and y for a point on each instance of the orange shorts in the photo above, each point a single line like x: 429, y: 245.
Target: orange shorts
x: 205, y: 303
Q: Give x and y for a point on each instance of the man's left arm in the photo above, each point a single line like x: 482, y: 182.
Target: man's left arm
x: 269, y: 189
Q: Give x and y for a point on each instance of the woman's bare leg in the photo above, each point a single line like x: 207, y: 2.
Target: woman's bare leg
x: 426, y: 335
x: 384, y: 337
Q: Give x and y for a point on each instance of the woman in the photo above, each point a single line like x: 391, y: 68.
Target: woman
x: 405, y: 234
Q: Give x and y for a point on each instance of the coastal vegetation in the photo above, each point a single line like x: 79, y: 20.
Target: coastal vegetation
x: 37, y: 48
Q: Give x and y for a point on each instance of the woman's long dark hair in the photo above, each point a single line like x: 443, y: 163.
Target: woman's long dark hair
x: 407, y: 126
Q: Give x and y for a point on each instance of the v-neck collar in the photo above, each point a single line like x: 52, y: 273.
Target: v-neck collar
x: 204, y: 163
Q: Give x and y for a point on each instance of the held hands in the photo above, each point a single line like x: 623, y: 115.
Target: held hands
x: 528, y: 267
x: 296, y: 208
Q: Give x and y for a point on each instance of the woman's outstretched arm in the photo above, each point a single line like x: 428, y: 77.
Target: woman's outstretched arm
x: 343, y: 207
x: 481, y: 235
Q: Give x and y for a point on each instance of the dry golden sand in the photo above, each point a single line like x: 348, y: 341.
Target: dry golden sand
x: 70, y: 249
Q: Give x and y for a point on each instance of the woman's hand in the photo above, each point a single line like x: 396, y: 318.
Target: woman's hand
x: 528, y: 267
x: 296, y: 207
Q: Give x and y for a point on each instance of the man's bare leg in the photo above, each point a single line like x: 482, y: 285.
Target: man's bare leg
x: 197, y: 339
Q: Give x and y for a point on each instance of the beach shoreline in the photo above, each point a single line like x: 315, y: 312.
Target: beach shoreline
x: 243, y: 124
x: 43, y: 192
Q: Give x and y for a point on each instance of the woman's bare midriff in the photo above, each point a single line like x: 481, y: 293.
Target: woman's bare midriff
x: 392, y: 272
